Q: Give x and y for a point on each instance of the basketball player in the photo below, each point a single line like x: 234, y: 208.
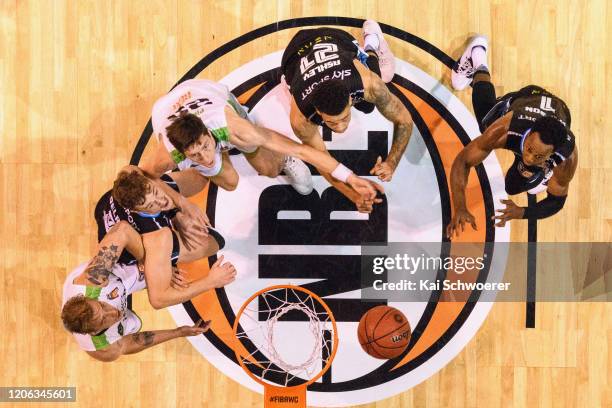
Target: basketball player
x: 199, y: 121
x: 149, y: 205
x: 327, y: 73
x: 152, y: 214
x: 532, y: 123
x: 94, y: 306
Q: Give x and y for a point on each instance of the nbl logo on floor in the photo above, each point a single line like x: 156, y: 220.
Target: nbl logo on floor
x: 276, y: 236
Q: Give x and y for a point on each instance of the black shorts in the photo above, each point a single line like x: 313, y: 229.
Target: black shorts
x: 176, y: 248
x: 501, y: 106
x: 290, y: 56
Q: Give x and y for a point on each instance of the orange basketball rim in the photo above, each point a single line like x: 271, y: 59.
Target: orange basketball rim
x: 275, y: 395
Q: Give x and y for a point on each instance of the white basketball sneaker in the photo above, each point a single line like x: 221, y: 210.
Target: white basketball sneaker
x: 298, y: 175
x: 386, y: 59
x: 463, y: 71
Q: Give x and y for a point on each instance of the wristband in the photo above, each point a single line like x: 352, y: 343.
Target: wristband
x: 551, y: 205
x: 341, y: 172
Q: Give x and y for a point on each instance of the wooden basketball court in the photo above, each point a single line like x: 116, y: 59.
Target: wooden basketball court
x: 78, y: 80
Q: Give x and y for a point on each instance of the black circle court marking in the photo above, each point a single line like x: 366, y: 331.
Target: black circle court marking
x: 382, y: 373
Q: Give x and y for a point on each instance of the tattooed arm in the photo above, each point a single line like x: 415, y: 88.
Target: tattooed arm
x: 121, y: 236
x: 143, y: 340
x: 309, y: 134
x: 391, y: 108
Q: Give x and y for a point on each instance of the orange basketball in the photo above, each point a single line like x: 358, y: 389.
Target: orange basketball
x: 384, y: 332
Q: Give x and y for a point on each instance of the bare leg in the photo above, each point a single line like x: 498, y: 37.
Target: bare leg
x: 269, y: 163
x: 482, y: 76
x: 266, y: 163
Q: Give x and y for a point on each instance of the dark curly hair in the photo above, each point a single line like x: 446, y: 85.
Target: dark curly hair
x: 130, y: 189
x: 551, y: 131
x: 331, y: 97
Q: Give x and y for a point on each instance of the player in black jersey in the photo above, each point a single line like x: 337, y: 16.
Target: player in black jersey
x: 327, y: 73
x: 149, y: 207
x: 532, y: 123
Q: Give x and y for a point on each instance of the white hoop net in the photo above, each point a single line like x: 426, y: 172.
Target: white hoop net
x: 288, y: 334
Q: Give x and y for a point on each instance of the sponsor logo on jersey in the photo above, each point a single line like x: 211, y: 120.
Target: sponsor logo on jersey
x: 546, y: 104
x: 337, y: 74
x: 114, y: 294
x: 305, y: 48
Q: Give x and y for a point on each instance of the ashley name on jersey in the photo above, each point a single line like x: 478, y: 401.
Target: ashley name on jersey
x: 316, y: 56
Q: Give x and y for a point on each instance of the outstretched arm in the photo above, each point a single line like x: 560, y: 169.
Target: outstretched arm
x: 392, y: 109
x: 248, y: 134
x: 472, y: 155
x: 158, y: 272
x: 137, y: 342
x: 309, y: 134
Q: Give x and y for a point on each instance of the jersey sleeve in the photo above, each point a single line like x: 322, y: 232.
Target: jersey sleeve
x: 93, y: 343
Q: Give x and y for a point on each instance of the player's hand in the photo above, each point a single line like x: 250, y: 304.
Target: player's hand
x: 198, y: 328
x: 511, y: 212
x: 179, y: 279
x: 364, y: 204
x: 457, y: 224
x: 191, y: 231
x: 194, y: 212
x: 221, y: 273
x: 382, y: 169
x: 366, y: 188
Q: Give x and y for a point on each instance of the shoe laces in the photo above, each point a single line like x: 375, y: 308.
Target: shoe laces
x: 289, y: 165
x: 466, y: 68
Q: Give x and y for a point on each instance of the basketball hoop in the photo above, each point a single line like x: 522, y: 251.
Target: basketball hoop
x: 273, y: 314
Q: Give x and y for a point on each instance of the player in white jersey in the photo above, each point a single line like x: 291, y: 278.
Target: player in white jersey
x: 94, y: 306
x: 200, y: 120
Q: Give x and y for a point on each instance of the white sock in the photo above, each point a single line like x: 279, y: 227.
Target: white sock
x: 479, y: 57
x: 371, y: 42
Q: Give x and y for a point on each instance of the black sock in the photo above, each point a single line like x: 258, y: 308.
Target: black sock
x: 483, y: 99
x: 372, y: 62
